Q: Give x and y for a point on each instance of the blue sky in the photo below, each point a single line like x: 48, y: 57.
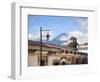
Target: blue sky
x: 57, y: 25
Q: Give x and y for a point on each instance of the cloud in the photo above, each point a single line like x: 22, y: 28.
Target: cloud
x: 83, y: 22
x: 63, y: 38
x: 34, y: 37
x: 81, y: 36
x: 30, y: 36
x: 44, y: 33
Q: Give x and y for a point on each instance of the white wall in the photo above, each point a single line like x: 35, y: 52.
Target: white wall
x: 5, y: 39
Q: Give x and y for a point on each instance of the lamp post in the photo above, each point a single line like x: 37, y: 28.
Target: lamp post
x: 47, y: 36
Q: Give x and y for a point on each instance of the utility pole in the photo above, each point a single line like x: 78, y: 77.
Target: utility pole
x: 47, y: 36
x: 40, y: 46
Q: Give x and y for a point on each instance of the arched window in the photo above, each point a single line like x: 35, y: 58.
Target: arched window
x: 66, y: 51
x: 62, y: 51
x: 56, y: 62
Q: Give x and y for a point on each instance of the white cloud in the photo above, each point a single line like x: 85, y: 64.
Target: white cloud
x: 63, y: 38
x: 44, y: 33
x: 81, y: 36
x: 83, y: 22
x: 34, y: 37
x: 30, y: 36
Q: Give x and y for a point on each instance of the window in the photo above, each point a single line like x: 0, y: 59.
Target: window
x: 69, y: 59
x: 74, y: 53
x: 71, y: 52
x: 56, y: 62
x: 66, y: 51
x: 62, y: 51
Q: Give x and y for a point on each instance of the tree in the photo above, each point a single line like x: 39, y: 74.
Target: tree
x: 73, y: 43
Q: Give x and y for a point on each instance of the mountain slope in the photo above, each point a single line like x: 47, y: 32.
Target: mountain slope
x: 60, y: 39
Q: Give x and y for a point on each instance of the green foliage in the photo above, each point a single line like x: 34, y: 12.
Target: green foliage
x: 73, y: 45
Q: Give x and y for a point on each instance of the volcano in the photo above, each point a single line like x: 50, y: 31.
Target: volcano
x: 60, y: 39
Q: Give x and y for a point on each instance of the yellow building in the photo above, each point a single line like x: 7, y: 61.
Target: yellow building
x: 54, y: 55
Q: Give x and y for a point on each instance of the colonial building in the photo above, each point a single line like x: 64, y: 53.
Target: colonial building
x: 54, y: 55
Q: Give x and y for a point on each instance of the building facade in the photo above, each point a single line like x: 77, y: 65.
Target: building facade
x: 54, y: 55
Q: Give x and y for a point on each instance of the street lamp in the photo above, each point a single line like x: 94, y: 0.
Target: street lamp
x: 47, y: 36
